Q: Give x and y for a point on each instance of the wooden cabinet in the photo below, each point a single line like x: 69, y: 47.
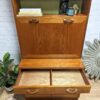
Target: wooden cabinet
x: 51, y: 48
x: 50, y: 35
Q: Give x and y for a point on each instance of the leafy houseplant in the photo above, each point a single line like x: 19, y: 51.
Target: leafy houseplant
x: 8, y: 72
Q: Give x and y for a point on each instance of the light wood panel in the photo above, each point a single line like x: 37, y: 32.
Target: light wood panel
x: 51, y: 35
x: 51, y: 63
x: 76, y: 37
x: 67, y: 78
x: 30, y: 78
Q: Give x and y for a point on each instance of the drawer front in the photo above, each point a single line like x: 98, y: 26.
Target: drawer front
x: 33, y: 91
x: 64, y: 91
x: 69, y: 90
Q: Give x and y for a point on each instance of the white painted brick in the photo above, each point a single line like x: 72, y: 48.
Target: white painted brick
x: 8, y: 36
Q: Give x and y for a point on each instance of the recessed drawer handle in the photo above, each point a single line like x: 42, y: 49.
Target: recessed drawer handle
x: 72, y: 90
x: 68, y: 20
x: 33, y: 21
x: 31, y: 92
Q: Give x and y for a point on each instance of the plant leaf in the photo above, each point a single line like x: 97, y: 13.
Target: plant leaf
x: 16, y: 69
x: 6, y: 57
x: 8, y: 63
x: 2, y: 82
x: 11, y: 80
x: 1, y: 62
x: 1, y: 69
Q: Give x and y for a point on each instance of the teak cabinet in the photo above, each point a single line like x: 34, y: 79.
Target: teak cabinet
x: 51, y: 48
x: 53, y: 34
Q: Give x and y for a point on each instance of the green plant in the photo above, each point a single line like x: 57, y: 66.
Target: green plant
x: 8, y: 71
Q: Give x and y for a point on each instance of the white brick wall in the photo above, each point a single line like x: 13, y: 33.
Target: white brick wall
x: 8, y: 36
x: 93, y: 29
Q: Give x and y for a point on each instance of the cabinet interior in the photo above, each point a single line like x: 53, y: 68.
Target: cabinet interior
x: 51, y: 6
x: 47, y: 6
x: 51, y: 78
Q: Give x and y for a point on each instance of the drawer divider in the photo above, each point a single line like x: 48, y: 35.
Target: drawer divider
x: 51, y: 77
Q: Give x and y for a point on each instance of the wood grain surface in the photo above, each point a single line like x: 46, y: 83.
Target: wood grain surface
x: 51, y: 64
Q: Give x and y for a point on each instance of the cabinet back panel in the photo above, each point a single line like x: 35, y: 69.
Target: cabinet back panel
x: 47, y: 6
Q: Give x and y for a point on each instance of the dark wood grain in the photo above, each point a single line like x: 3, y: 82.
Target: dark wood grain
x: 86, y: 6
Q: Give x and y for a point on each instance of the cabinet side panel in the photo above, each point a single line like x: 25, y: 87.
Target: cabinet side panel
x: 86, y: 6
x: 16, y: 6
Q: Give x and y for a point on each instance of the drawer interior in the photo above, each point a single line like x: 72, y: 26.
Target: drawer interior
x: 52, y: 78
x: 34, y: 78
x: 60, y: 78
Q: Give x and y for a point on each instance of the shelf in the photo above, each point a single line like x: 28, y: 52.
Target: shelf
x: 52, y: 16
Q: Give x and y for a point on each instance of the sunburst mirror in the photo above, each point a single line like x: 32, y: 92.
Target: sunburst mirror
x: 91, y: 59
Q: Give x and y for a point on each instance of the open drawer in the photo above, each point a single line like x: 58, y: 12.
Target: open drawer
x: 51, y: 82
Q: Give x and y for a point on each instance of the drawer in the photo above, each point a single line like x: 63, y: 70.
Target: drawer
x: 33, y: 83
x: 52, y: 82
x: 69, y: 82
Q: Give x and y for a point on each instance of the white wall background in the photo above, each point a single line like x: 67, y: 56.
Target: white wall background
x: 93, y: 29
x: 8, y: 35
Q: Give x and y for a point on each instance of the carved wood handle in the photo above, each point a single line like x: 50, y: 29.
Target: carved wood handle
x: 72, y: 90
x: 33, y: 21
x: 31, y: 92
x: 68, y: 20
